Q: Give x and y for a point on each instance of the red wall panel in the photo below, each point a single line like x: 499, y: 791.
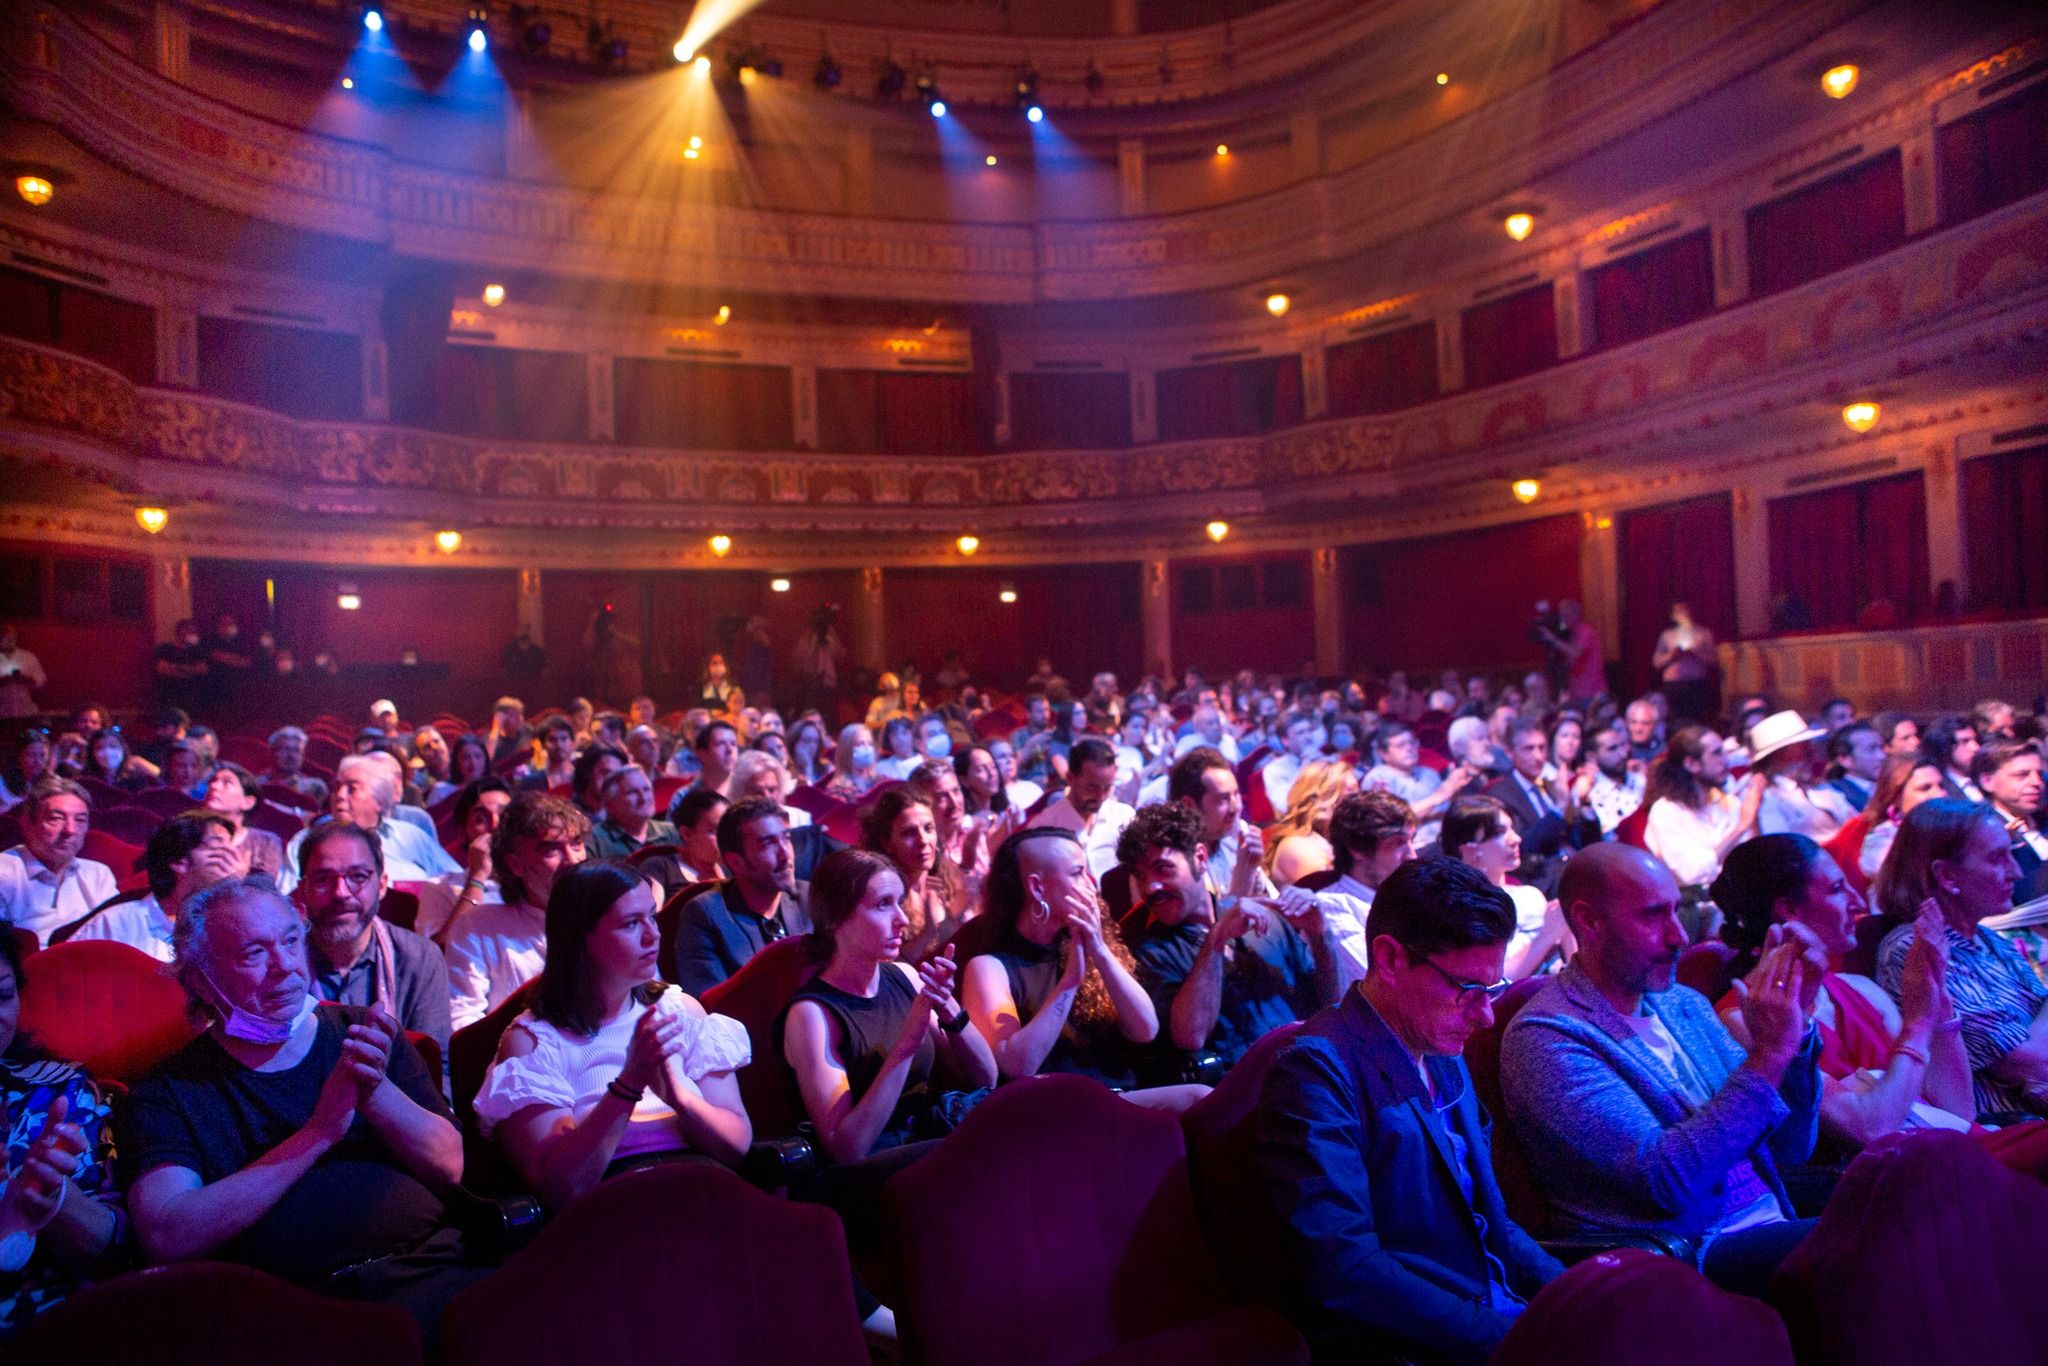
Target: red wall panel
x: 1223, y: 639
x: 1084, y: 617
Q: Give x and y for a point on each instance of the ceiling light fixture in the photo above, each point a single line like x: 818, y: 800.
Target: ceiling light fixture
x: 778, y: 585
x: 1526, y: 490
x: 1839, y: 81
x: 373, y: 20
x: 493, y: 295
x: 152, y: 519
x: 1443, y: 78
x: 721, y: 545
x: 989, y: 160
x: 1222, y: 149
x: 967, y: 545
x: 1277, y: 304
x: 1861, y: 416
x: 1217, y: 531
x: 448, y: 542
x: 1519, y: 225
x: 348, y: 82
x: 36, y: 189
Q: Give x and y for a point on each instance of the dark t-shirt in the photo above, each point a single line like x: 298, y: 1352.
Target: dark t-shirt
x: 1089, y: 1048
x: 1268, y: 980
x: 204, y: 1111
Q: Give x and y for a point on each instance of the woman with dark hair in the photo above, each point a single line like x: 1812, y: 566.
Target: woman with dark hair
x: 864, y: 1035
x: 899, y: 749
x: 471, y: 760
x: 32, y: 763
x: 1479, y: 831
x: 107, y: 758
x: 232, y: 792
x: 1058, y: 991
x: 810, y: 759
x: 1958, y: 856
x: 981, y: 782
x: 900, y: 827
x: 963, y: 839
x: 1884, y: 1066
x: 608, y: 1070
x: 51, y: 1237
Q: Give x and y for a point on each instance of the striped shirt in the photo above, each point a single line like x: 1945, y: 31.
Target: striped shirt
x: 1994, y: 993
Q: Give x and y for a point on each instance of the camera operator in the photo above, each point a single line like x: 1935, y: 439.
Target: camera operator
x: 21, y: 673
x: 1574, y: 659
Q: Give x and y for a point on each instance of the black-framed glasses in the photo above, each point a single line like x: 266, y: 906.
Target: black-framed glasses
x: 326, y: 880
x: 1470, y: 993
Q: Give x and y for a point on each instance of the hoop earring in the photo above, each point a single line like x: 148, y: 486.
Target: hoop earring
x: 1041, y: 911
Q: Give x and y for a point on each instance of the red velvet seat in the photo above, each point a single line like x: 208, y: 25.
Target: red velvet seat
x: 665, y: 789
x: 755, y: 996
x: 250, y: 751
x: 1705, y: 968
x: 1482, y: 1057
x: 10, y: 830
x: 671, y: 913
x: 287, y: 798
x: 286, y: 825
x: 165, y: 802
x: 1056, y: 1225
x: 130, y: 825
x: 1929, y: 1250
x: 648, y: 851
x: 108, y: 1007
x: 214, y: 1314
x: 1845, y: 846
x: 103, y: 794
x: 1634, y: 826
x: 1222, y: 1148
x: 485, y: 1169
x: 400, y: 907
x: 122, y: 856
x: 672, y: 1263
x: 1633, y: 1308
x: 324, y: 749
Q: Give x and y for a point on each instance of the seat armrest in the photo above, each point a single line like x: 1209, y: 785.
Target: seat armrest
x: 1573, y: 1248
x: 495, y: 1226
x: 778, y: 1163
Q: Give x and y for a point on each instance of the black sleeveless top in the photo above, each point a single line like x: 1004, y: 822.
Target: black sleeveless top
x: 868, y: 1028
x: 1034, y: 971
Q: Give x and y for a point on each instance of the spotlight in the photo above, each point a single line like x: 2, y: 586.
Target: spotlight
x: 1861, y: 416
x: 778, y: 585
x: 493, y: 295
x: 448, y: 542
x: 938, y: 109
x: 827, y: 75
x: 1035, y: 114
x: 36, y: 189
x: 890, y: 84
x: 1443, y: 78
x: 373, y: 19
x: 702, y: 66
x: 746, y: 75
x: 152, y: 520
x: 1525, y: 490
x: 989, y: 160
x: 696, y: 142
x: 348, y: 82
x: 537, y: 36
x: 478, y: 41
x: 1519, y: 225
x: 1222, y: 149
x: 681, y: 52
x: 1838, y: 81
x: 692, y: 153
x: 967, y: 545
x: 721, y: 545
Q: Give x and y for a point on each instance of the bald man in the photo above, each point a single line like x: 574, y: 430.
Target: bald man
x: 1637, y: 1109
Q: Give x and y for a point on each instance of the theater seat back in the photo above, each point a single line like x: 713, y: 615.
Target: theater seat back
x: 1634, y: 1308
x: 471, y: 1050
x: 110, y: 1008
x: 1482, y: 1057
x: 756, y: 996
x: 1220, y: 1131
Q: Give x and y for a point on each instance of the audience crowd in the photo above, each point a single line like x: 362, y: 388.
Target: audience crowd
x: 1709, y: 961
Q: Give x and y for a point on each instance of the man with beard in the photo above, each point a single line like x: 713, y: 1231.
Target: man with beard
x: 1202, y: 781
x: 1086, y: 808
x: 720, y: 928
x: 1220, y: 981
x: 357, y: 958
x: 1613, y: 790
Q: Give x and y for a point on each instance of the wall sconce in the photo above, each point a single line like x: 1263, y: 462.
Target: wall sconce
x: 967, y: 545
x: 152, y: 520
x: 1217, y: 530
x: 448, y: 542
x: 721, y: 545
x: 1525, y: 490
x: 1861, y: 416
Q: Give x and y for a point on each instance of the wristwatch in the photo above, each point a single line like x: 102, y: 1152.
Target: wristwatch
x: 957, y: 1023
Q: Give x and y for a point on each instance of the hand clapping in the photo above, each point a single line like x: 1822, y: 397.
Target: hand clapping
x: 50, y: 1161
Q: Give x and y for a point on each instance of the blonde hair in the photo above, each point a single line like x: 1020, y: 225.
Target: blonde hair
x: 1315, y: 794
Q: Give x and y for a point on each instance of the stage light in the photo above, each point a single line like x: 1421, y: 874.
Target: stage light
x: 778, y: 585
x: 493, y: 295
x: 1443, y: 78
x: 721, y: 545
x: 36, y: 189
x: 890, y: 83
x: 478, y: 41
x: 827, y: 75
x: 448, y: 542
x: 1035, y: 114
x: 1525, y: 490
x: 1838, y: 81
x: 682, y: 53
x: 373, y: 20
x: 152, y: 520
x: 1222, y: 149
x: 938, y: 109
x: 348, y: 599
x: 967, y: 545
x: 722, y: 316
x: 1277, y: 304
x: 989, y: 160
x: 702, y: 66
x: 1007, y: 595
x: 696, y: 140
x: 1861, y: 416
x: 1519, y: 225
x: 1217, y: 531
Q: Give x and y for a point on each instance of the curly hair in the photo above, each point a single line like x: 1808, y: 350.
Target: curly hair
x: 533, y: 815
x: 1173, y: 826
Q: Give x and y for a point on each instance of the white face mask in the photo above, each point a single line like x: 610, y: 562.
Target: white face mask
x: 249, y: 1027
x: 938, y: 746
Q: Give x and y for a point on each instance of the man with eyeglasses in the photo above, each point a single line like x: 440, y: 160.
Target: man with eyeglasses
x: 358, y: 958
x: 1637, y: 1109
x: 1374, y: 1151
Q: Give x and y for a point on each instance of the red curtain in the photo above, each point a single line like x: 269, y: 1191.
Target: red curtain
x: 1381, y: 374
x: 1464, y: 599
x: 415, y: 319
x: 1238, y: 398
x: 1849, y: 217
x: 1994, y: 156
x: 1837, y: 554
x: 514, y: 395
x: 693, y: 406
x: 1510, y: 337
x: 1648, y: 292
x: 931, y: 611
x: 881, y: 412
x: 1065, y: 410
x: 288, y: 369
x: 1675, y: 552
x: 117, y: 333
x: 2005, y: 512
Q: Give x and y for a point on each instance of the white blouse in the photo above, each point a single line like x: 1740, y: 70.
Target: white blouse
x: 568, y: 1072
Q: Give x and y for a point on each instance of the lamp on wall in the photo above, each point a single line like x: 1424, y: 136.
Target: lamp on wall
x: 1278, y: 302
x: 1525, y: 490
x: 1839, y: 81
x: 1008, y: 593
x: 152, y: 519
x: 1861, y: 415
x: 967, y: 545
x: 37, y: 190
x: 721, y: 545
x: 493, y: 295
x: 778, y: 585
x: 1519, y: 224
x: 448, y: 542
x: 347, y: 598
x: 1218, y: 530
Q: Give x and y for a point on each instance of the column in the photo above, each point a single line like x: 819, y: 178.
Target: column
x: 170, y: 42
x: 1001, y: 428
x: 1123, y: 17
x: 1315, y: 389
x: 1570, y: 332
x: 597, y: 382
x: 1450, y: 350
x: 1600, y: 580
x: 870, y: 648
x: 1752, y: 564
x: 1130, y: 175
x: 376, y: 376
x: 528, y: 611
x: 1155, y: 611
x: 1730, y: 237
x: 1916, y: 158
x: 171, y: 602
x: 1947, y: 557
x: 1327, y: 603
x: 1144, y: 410
x: 1305, y: 144
x: 803, y: 400
x: 860, y: 169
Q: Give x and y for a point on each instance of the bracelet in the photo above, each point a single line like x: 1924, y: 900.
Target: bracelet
x: 1901, y: 1046
x: 957, y: 1025
x: 617, y: 1087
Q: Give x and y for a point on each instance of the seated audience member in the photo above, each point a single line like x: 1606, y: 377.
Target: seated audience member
x: 1993, y: 720
x: 44, y: 884
x: 899, y: 749
x: 1953, y: 742
x: 587, y: 776
x: 963, y: 840
x: 32, y: 764
x: 1219, y: 979
x: 307, y: 1140
x: 471, y: 761
x: 1057, y: 992
x: 629, y: 824
x: 183, y: 771
x: 1958, y: 855
x: 1856, y: 753
x: 717, y: 749
x: 757, y: 773
x: 2008, y: 772
x: 431, y: 774
x: 58, y: 1138
x: 1693, y: 820
x: 555, y: 766
x: 1905, y: 781
x: 933, y: 895
x: 981, y: 789
x: 1086, y: 808
x: 1550, y: 823
x: 810, y: 757
x: 1615, y: 789
x: 187, y: 854
x: 1897, y: 732
x: 1376, y: 1154
x: 865, y: 1035
x: 1479, y: 832
x: 760, y: 901
x: 508, y: 733
x: 1645, y: 730
x: 696, y: 825
x: 1203, y: 781
x: 232, y: 793
x: 645, y: 747
x: 107, y: 759
x: 366, y: 793
x: 608, y: 1069
x: 1400, y: 770
x: 1786, y: 759
x: 1371, y: 834
x: 1020, y: 792
x: 356, y: 958
x: 853, y: 764
x: 1296, y: 740
x: 1636, y: 1109
x: 494, y: 948
x: 1296, y: 843
x: 1884, y: 1067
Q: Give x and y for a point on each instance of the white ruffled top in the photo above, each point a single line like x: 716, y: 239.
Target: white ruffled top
x: 566, y: 1072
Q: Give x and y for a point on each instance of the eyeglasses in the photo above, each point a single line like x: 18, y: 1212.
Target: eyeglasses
x: 1470, y: 993
x: 355, y: 879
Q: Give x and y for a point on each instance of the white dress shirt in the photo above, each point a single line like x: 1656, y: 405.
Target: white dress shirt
x: 34, y: 898
x: 1788, y: 808
x: 1098, y: 837
x: 1688, y: 841
x: 493, y: 950
x: 1278, y: 775
x: 138, y: 924
x: 1344, y: 904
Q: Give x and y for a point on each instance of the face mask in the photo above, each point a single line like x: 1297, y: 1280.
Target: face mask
x: 863, y: 756
x: 238, y: 1023
x: 938, y: 746
x: 229, y: 632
